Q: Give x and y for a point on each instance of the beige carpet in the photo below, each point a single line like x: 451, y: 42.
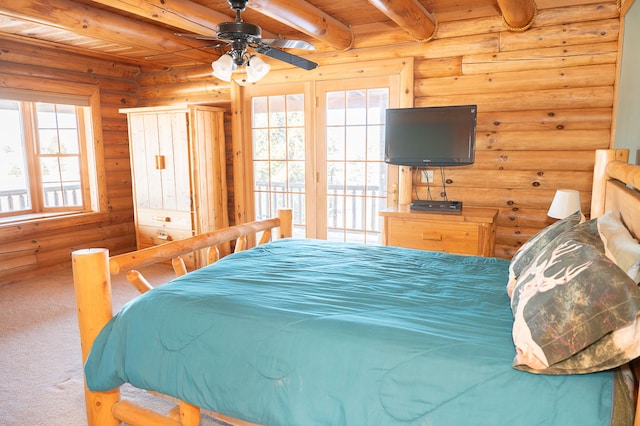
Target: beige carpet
x: 41, y: 380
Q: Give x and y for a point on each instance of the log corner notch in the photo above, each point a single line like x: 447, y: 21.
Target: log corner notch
x: 518, y: 15
x: 410, y: 15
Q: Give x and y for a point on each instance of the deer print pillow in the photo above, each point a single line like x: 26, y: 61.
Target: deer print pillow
x: 567, y: 304
x: 530, y: 249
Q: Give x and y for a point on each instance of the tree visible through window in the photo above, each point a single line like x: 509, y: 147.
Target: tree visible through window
x: 42, y: 168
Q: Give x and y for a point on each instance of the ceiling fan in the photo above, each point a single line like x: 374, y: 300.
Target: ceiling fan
x: 241, y: 35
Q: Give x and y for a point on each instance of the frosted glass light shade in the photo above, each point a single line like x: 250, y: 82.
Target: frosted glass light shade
x: 223, y: 67
x: 256, y: 69
x: 565, y: 203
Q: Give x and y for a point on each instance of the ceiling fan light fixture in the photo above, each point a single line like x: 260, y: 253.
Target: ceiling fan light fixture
x: 256, y: 69
x: 223, y: 67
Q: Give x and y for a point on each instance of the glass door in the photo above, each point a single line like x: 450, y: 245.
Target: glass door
x: 279, y: 149
x: 353, y: 167
x: 320, y: 151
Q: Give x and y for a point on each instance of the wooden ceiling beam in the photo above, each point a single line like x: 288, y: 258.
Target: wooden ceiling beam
x: 103, y: 25
x: 518, y: 15
x: 186, y: 15
x: 308, y: 19
x: 410, y: 15
x: 189, y: 16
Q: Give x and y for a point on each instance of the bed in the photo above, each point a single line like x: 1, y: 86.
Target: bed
x: 302, y: 332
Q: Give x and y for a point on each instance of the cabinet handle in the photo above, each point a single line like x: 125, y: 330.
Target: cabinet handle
x: 433, y: 236
x: 162, y: 219
x: 164, y: 236
x: 160, y: 162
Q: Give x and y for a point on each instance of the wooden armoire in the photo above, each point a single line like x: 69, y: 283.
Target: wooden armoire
x: 178, y: 169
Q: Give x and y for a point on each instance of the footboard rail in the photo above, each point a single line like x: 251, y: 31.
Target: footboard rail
x: 92, y: 269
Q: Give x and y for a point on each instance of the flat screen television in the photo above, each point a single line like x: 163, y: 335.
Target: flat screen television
x: 431, y: 136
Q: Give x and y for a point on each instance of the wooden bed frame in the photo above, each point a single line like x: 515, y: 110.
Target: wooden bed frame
x: 92, y: 269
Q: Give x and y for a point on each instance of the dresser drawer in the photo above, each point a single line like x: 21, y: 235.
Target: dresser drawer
x: 178, y: 220
x: 460, y: 237
x: 471, y: 232
x: 152, y: 235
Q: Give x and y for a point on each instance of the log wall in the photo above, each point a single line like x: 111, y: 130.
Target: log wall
x: 545, y: 100
x: 545, y: 104
x: 33, y: 247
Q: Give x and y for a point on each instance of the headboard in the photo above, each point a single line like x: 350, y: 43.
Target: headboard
x: 616, y: 186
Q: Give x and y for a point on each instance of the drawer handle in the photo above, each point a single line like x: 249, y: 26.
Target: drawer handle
x: 164, y: 236
x: 162, y: 218
x: 433, y: 236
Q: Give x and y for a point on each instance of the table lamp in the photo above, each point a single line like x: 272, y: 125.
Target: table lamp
x: 565, y: 203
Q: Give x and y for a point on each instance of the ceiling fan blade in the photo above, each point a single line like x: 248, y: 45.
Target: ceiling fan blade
x: 287, y: 57
x: 288, y: 44
x: 201, y: 37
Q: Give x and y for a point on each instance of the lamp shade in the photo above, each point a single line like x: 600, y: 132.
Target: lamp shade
x: 565, y: 203
x: 256, y: 69
x: 223, y: 67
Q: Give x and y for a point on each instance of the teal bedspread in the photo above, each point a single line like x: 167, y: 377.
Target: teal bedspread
x: 308, y: 332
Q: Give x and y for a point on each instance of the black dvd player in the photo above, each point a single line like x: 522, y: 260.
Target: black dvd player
x: 437, y: 206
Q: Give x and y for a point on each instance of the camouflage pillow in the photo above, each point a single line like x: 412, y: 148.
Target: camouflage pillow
x: 567, y: 303
x: 530, y: 249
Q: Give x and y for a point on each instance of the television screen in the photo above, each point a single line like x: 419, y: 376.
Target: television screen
x: 431, y: 136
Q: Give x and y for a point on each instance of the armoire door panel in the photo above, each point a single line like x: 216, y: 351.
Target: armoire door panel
x: 179, y: 177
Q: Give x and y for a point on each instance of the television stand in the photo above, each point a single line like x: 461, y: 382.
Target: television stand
x: 437, y: 206
x: 471, y: 231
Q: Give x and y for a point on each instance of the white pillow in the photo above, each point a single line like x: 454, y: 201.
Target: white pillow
x: 620, y: 246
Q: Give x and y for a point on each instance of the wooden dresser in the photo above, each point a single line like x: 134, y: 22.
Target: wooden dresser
x: 472, y: 231
x: 179, y: 173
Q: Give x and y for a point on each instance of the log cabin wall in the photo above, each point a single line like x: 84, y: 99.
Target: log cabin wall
x: 545, y: 100
x: 36, y: 247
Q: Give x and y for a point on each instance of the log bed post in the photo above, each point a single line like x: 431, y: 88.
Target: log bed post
x: 600, y: 177
x: 92, y: 283
x: 286, y: 223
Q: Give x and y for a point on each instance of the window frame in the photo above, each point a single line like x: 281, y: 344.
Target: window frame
x: 86, y: 98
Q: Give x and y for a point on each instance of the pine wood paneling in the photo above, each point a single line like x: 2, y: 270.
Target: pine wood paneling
x: 519, y: 81
x: 541, y: 59
x: 548, y: 140
x: 587, y: 98
x: 525, y: 120
x: 44, y: 62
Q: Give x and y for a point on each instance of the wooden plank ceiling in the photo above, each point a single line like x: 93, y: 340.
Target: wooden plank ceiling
x: 143, y: 32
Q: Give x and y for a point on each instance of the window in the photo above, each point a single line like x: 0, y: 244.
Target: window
x: 47, y: 155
